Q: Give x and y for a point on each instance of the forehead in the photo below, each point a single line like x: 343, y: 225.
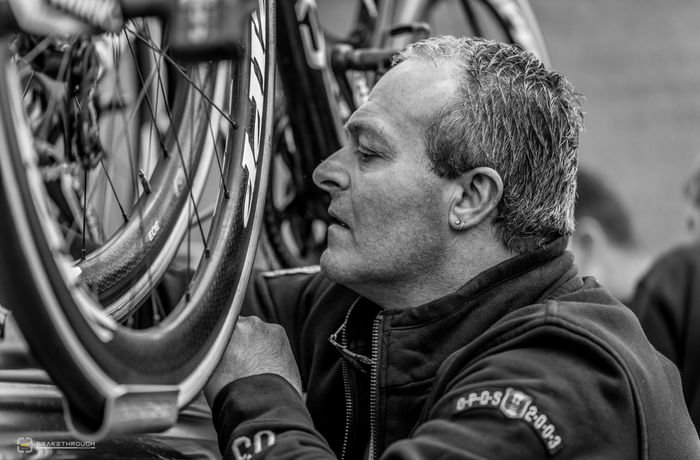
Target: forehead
x: 405, y: 98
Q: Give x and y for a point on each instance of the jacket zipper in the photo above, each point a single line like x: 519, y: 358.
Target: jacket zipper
x: 348, y: 408
x: 374, y: 387
x: 346, y: 387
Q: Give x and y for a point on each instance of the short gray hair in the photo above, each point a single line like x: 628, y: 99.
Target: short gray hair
x: 515, y: 116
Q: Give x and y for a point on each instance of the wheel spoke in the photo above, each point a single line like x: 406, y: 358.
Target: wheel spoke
x: 83, y: 251
x: 182, y: 72
x: 114, y: 191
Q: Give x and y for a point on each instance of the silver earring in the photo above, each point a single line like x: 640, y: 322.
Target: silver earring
x: 458, y: 222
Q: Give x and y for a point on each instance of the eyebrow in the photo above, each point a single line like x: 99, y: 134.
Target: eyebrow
x: 353, y: 126
x: 358, y: 126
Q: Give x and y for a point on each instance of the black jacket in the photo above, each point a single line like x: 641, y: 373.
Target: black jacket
x: 525, y: 361
x: 667, y: 301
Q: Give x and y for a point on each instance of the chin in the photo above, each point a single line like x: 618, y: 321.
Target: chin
x: 328, y: 267
x: 336, y: 267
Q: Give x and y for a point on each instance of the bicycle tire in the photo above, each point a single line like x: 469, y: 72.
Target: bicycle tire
x: 124, y: 270
x: 116, y: 379
x: 128, y: 265
x: 308, y: 127
x: 292, y: 216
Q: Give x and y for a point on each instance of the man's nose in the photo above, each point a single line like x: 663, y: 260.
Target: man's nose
x: 332, y: 175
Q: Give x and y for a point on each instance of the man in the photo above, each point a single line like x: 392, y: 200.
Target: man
x: 604, y: 243
x: 447, y: 320
x: 667, y: 300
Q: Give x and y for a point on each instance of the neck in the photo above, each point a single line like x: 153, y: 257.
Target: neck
x: 462, y: 265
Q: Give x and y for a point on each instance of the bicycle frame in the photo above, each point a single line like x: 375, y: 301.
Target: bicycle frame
x: 517, y: 15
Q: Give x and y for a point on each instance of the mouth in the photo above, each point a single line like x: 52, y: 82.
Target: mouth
x: 335, y: 220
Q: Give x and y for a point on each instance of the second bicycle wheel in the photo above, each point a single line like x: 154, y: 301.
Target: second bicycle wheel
x: 118, y: 379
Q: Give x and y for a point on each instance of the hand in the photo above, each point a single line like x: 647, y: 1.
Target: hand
x: 255, y: 348
x: 38, y: 17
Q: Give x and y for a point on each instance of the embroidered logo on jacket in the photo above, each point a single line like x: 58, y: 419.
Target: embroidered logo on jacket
x: 517, y: 405
x: 243, y: 447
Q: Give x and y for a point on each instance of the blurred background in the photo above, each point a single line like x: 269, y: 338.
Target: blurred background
x: 637, y: 62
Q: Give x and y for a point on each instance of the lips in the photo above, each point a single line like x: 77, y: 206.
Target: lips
x: 336, y: 220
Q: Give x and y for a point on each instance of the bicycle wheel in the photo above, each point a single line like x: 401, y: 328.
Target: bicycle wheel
x: 118, y: 379
x: 308, y: 127
x: 296, y: 216
x: 123, y: 235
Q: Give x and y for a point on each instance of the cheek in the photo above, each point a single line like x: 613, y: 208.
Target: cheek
x: 384, y: 205
x: 400, y: 210
x: 380, y: 210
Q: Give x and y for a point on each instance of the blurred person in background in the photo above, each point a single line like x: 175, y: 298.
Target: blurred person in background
x: 604, y: 244
x: 691, y: 192
x: 667, y: 301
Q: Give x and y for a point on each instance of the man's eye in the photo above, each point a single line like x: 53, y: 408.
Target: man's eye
x: 366, y: 154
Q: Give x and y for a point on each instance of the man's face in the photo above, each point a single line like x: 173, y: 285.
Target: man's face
x: 391, y: 210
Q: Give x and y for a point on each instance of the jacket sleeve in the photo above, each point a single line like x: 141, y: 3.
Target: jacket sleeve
x: 546, y: 398
x: 262, y: 416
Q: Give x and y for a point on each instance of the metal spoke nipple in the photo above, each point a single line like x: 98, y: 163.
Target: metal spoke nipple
x: 144, y: 182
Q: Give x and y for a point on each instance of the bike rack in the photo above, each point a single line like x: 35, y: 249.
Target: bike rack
x: 129, y: 409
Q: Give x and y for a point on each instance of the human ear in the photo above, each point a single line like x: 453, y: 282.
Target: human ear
x: 478, y: 194
x: 587, y: 241
x: 693, y: 221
